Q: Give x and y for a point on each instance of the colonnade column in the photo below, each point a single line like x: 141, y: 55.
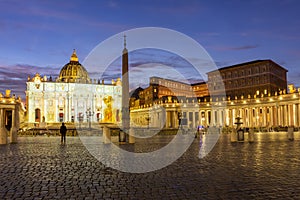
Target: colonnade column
x: 264, y: 115
x: 13, y: 130
x: 291, y: 114
x: 174, y: 119
x: 295, y: 115
x: 275, y: 113
x: 271, y: 116
x: 3, y: 132
x: 285, y: 115
x: 279, y: 115
x: 249, y: 115
x: 230, y: 115
x: 297, y: 110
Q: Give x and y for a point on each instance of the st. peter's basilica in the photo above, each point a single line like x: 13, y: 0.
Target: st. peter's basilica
x: 72, y: 97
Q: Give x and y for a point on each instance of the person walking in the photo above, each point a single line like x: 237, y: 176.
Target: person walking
x: 63, y: 131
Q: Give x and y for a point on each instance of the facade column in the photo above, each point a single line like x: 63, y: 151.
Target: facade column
x: 66, y: 108
x: 45, y: 110
x: 70, y: 108
x: 75, y: 103
x: 56, y: 109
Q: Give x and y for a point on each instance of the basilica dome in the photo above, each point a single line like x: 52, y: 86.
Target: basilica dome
x: 74, y: 72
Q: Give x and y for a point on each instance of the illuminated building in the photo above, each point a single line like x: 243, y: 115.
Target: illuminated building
x: 274, y: 111
x: 161, y: 87
x: 72, y: 97
x: 259, y: 78
x: 256, y: 91
x: 11, y: 117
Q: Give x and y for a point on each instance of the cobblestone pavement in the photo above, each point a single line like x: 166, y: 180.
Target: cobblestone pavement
x: 41, y: 168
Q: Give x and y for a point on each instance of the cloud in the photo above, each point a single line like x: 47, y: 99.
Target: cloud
x: 14, y: 77
x: 245, y: 47
x: 231, y: 48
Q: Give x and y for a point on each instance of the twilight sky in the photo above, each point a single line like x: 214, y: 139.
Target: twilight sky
x: 39, y: 36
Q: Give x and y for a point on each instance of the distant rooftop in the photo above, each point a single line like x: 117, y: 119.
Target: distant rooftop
x: 247, y: 63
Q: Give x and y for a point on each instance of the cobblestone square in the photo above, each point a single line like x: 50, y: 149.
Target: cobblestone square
x: 41, y: 168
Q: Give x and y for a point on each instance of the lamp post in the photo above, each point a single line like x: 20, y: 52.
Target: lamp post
x: 80, y: 118
x: 148, y: 119
x: 179, y: 115
x: 240, y: 131
x: 89, y: 113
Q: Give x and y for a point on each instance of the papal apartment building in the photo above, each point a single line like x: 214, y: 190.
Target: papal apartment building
x: 255, y: 78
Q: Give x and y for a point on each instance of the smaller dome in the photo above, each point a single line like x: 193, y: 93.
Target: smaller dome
x: 74, y: 72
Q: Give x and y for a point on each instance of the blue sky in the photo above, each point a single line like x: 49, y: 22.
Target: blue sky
x: 39, y: 36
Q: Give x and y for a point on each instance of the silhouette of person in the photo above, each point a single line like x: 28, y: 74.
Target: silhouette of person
x: 63, y: 131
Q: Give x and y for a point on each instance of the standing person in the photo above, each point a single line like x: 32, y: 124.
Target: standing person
x: 63, y: 131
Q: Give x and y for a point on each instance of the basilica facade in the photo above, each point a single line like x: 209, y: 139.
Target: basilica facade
x: 72, y: 97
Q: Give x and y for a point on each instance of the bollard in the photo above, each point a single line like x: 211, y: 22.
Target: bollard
x: 122, y: 136
x: 14, y: 135
x: 106, y: 135
x: 240, y: 135
x: 3, y: 136
x: 233, y: 135
x: 291, y: 133
x: 251, y: 135
x: 131, y: 139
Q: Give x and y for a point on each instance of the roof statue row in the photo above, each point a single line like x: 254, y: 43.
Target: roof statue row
x: 72, y: 72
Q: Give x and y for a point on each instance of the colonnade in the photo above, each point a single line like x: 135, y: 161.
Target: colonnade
x: 276, y: 111
x: 10, y: 113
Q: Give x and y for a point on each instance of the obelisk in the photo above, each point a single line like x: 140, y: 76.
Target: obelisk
x: 125, y: 96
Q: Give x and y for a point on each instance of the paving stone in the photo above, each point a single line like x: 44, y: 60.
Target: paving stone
x: 41, y: 168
